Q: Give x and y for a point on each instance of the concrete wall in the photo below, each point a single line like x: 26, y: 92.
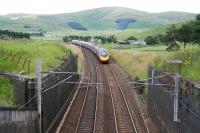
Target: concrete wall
x: 13, y: 121
x: 25, y: 121
x: 20, y: 85
x: 161, y: 104
x: 54, y: 99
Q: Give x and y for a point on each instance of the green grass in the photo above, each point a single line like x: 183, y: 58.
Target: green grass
x: 191, y: 62
x: 135, y: 62
x: 76, y: 50
x: 6, y: 92
x: 141, y: 33
x: 49, y: 52
x: 155, y: 48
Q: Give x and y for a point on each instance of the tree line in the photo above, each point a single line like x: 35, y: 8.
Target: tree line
x: 6, y: 34
x: 106, y: 39
x: 102, y: 39
x: 175, y: 36
x: 76, y: 37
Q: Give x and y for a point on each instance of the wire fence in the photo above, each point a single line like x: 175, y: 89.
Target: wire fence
x: 17, y: 61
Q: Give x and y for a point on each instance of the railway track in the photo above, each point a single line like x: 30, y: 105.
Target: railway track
x: 87, y: 117
x: 108, y: 107
x: 81, y: 115
x: 105, y: 111
x: 123, y: 118
x: 131, y: 100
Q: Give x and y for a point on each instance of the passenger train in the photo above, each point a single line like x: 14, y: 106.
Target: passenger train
x: 101, y: 53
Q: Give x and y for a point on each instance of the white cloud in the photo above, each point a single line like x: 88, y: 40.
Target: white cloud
x: 63, y: 6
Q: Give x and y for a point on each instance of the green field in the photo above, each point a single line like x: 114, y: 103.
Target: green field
x: 135, y: 60
x: 16, y: 54
x: 141, y: 33
x: 6, y: 92
x: 190, y: 66
x: 135, y: 63
x: 155, y: 48
x: 99, y: 19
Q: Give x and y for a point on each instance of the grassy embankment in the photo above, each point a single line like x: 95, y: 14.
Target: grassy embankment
x: 76, y: 50
x: 49, y: 52
x: 135, y: 60
x: 6, y: 92
x: 191, y: 62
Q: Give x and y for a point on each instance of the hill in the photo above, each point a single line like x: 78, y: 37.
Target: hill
x: 106, y: 18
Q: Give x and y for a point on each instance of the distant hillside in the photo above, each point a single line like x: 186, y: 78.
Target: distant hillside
x: 76, y: 26
x: 124, y: 22
x: 106, y: 18
x: 141, y: 34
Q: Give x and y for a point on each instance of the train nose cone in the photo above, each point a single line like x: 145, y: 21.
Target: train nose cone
x: 104, y: 59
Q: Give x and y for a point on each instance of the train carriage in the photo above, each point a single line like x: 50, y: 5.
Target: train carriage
x: 101, y: 53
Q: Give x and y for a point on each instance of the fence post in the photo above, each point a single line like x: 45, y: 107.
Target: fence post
x: 177, y: 86
x: 152, y: 76
x: 1, y: 52
x: 39, y: 89
x: 29, y: 63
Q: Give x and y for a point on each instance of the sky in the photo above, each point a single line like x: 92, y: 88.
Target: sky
x: 66, y: 6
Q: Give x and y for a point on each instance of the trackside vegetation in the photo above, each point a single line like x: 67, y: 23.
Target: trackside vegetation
x: 176, y: 36
x: 190, y: 66
x: 135, y: 60
x: 21, y: 55
x: 6, y: 92
x: 15, y: 56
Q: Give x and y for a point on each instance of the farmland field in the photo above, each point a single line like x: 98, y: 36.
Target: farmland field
x: 15, y: 55
x: 135, y: 60
x: 135, y: 63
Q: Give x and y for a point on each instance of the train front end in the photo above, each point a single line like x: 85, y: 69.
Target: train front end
x: 104, y: 56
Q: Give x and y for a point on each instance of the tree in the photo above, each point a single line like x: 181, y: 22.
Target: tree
x: 171, y: 34
x: 159, y: 38
x: 184, y: 34
x: 66, y: 39
x: 131, y: 38
x: 196, y: 30
x: 111, y: 39
x: 150, y: 40
x: 14, y: 35
x: 171, y: 38
x: 173, y: 46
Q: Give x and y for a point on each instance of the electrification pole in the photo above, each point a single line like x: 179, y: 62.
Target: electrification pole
x: 39, y: 94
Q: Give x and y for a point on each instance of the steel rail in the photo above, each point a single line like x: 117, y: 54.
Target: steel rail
x: 113, y: 105
x: 139, y: 107
x: 97, y: 80
x: 133, y: 123
x: 74, y: 97
x: 89, y: 82
x: 76, y: 130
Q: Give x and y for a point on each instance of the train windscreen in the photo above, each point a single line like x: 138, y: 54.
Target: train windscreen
x: 103, y: 54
